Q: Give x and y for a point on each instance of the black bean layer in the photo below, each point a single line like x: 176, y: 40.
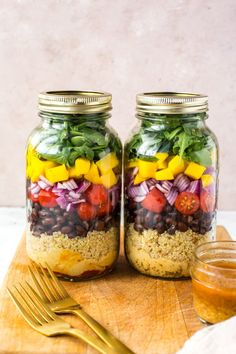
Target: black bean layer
x: 49, y: 220
x: 169, y: 220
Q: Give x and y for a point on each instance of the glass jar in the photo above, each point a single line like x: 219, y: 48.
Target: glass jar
x: 171, y: 173
x: 74, y: 185
x: 213, y: 274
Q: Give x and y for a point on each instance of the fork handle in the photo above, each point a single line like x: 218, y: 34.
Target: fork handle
x: 102, y: 332
x: 96, y: 343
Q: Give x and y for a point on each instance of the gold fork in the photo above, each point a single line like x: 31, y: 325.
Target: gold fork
x: 55, y: 295
x: 42, y: 319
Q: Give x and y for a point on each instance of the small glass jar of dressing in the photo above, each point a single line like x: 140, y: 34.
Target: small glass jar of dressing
x: 213, y: 274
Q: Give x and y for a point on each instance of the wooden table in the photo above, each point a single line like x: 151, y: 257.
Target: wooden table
x: 151, y: 316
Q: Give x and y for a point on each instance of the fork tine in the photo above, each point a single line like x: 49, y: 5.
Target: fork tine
x: 42, y: 283
x: 34, y: 313
x: 43, y: 314
x: 41, y: 303
x: 56, y: 283
x: 25, y: 313
x: 49, y: 283
x: 42, y: 293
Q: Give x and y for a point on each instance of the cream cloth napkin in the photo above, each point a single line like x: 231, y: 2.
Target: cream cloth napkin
x: 216, y: 339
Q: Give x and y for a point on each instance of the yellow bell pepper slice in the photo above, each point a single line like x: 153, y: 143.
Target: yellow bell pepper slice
x: 93, y: 174
x: 147, y: 169
x: 38, y: 168
x: 29, y: 171
x: 163, y: 175
x: 82, y: 166
x: 177, y: 165
x: 161, y: 156
x: 107, y: 163
x: 73, y: 173
x: 57, y: 174
x: 133, y: 163
x: 108, y: 179
x: 138, y: 179
x: 161, y: 164
x: 194, y: 170
x: 207, y: 180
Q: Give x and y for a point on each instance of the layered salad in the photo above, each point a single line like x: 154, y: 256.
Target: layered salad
x: 73, y: 200
x: 171, y: 181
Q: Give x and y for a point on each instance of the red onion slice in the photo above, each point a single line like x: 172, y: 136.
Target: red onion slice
x: 58, y: 191
x: 74, y: 195
x: 181, y: 182
x: 70, y: 184
x: 210, y: 171
x: 62, y: 202
x: 194, y: 187
x: 144, y: 188
x: 134, y: 191
x: 69, y: 207
x: 78, y: 201
x: 67, y: 185
x: 151, y: 183
x: 167, y: 185
x: 82, y: 186
x: 35, y: 190
x: 164, y: 186
x: 43, y: 185
x: 172, y: 195
x: 159, y: 186
x: 45, y: 180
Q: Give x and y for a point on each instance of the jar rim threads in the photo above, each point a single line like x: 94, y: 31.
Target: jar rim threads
x: 212, y: 252
x: 171, y: 102
x: 74, y: 102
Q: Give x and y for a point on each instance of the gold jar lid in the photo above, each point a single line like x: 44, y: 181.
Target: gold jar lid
x: 74, y: 102
x: 171, y: 103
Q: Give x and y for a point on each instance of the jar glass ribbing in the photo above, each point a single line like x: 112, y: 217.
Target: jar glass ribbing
x: 171, y: 174
x: 74, y: 185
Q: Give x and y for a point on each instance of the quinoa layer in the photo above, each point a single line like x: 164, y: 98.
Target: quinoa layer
x: 162, y: 255
x: 75, y: 256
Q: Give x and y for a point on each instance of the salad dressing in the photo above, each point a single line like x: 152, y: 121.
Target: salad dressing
x: 214, y: 285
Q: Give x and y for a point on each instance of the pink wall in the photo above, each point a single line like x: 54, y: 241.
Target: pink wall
x: 119, y: 46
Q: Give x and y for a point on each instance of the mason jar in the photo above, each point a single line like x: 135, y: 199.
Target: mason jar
x: 171, y: 173
x: 74, y: 185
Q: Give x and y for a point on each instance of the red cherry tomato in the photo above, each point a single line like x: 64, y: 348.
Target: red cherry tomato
x: 47, y: 199
x: 97, y: 194
x: 104, y: 209
x: 86, y: 211
x: 155, y: 201
x: 187, y: 203
x: 207, y: 201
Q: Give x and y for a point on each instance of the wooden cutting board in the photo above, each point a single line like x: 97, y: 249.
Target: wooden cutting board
x: 151, y: 316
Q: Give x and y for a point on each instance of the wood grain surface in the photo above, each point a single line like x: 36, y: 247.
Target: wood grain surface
x: 151, y: 316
